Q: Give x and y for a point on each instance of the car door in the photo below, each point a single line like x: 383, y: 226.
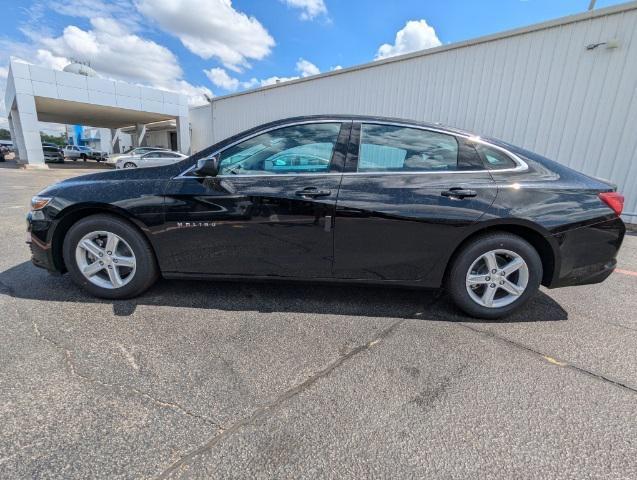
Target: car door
x: 150, y: 159
x: 166, y: 158
x: 268, y: 212
x: 406, y: 197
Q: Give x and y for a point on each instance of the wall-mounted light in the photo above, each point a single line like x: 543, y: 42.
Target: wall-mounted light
x: 610, y: 44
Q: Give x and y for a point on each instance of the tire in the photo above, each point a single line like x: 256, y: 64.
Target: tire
x: 132, y: 244
x: 474, y: 258
x: 83, y: 157
x: 129, y: 165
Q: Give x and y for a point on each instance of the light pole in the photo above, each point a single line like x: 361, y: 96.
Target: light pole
x: 591, y: 5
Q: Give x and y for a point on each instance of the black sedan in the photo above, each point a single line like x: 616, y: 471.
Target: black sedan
x: 338, y: 198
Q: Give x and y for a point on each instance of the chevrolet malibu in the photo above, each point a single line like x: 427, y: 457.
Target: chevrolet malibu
x: 338, y: 199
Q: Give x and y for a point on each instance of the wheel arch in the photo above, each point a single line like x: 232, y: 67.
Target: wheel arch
x: 538, y: 237
x: 71, y: 215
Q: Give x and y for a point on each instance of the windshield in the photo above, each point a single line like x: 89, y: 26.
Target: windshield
x: 84, y: 149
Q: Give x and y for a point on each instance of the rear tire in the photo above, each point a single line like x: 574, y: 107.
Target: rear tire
x: 132, y: 257
x: 482, y: 291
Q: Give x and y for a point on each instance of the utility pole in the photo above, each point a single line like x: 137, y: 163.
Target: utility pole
x: 591, y: 5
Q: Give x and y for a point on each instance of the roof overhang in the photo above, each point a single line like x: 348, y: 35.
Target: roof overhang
x: 77, y: 113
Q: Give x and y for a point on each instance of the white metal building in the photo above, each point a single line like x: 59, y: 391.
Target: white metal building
x: 76, y: 96
x: 566, y: 89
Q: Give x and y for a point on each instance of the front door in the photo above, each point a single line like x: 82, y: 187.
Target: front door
x: 269, y: 212
x: 409, y: 195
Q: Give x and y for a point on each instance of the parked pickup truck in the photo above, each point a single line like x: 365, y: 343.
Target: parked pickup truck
x: 75, y: 152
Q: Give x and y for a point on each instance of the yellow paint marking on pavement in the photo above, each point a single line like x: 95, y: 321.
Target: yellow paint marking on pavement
x: 553, y: 361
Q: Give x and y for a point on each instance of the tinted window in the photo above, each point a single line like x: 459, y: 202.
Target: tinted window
x: 50, y: 149
x: 294, y: 149
x: 495, y: 159
x: 388, y: 148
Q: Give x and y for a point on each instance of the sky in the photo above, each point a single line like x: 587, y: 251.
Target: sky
x: 215, y: 47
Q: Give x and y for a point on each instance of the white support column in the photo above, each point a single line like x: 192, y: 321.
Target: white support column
x: 105, y: 140
x: 115, y: 143
x: 26, y: 130
x: 140, y: 133
x: 183, y: 134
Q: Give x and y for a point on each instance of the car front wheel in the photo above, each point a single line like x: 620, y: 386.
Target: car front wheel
x: 130, y: 165
x: 494, y: 274
x: 109, y: 258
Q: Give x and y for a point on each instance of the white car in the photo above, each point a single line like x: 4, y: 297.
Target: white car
x: 75, y: 152
x: 113, y: 158
x: 150, y: 159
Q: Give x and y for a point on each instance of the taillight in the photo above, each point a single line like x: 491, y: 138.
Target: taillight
x: 614, y: 200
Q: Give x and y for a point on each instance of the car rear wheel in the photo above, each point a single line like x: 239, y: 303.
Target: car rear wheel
x: 109, y: 258
x: 83, y: 157
x: 494, y: 275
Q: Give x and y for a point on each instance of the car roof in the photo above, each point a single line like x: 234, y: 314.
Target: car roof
x: 367, y: 118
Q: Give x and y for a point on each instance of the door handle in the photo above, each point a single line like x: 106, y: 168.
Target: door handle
x: 459, y: 192
x: 313, y: 192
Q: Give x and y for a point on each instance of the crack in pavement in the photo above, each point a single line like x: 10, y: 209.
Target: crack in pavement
x: 263, y: 411
x: 561, y: 363
x: 71, y: 365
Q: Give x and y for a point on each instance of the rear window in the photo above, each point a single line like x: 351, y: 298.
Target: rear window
x: 51, y: 149
x: 389, y: 148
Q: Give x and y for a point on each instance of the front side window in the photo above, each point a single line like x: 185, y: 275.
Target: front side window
x: 294, y: 149
x: 389, y: 148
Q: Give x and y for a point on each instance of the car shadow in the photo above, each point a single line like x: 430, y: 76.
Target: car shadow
x: 25, y: 281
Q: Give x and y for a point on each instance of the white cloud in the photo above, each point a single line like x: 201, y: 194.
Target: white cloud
x: 220, y: 78
x: 416, y: 35
x: 306, y: 68
x: 211, y: 28
x: 310, y: 9
x: 114, y: 52
x: 47, y: 59
x: 337, y: 67
x: 4, y: 72
x: 122, y: 10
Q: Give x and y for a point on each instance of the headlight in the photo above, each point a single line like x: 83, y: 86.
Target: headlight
x: 38, y: 203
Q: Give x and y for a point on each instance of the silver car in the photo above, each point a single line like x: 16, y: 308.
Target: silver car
x: 150, y: 159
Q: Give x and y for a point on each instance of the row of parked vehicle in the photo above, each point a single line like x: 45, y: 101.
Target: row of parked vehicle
x: 136, y: 158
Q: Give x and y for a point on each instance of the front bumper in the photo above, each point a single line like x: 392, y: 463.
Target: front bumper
x: 37, y: 238
x: 588, y: 254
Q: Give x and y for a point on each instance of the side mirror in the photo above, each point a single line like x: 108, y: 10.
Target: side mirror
x: 207, y: 167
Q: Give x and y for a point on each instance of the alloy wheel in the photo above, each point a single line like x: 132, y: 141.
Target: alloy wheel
x: 105, y: 259
x: 497, y: 278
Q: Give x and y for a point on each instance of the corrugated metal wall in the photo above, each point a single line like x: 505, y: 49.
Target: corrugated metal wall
x: 537, y: 88
x: 200, y: 127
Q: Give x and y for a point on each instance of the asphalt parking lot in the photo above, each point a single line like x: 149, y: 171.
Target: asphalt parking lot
x: 255, y: 380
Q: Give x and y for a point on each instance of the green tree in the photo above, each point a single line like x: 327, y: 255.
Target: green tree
x: 5, y: 134
x: 59, y: 139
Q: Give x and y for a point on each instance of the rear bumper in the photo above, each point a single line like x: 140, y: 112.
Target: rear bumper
x: 588, y: 254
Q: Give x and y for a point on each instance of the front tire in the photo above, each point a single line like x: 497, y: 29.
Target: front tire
x: 109, y: 258
x: 130, y: 165
x: 494, y: 275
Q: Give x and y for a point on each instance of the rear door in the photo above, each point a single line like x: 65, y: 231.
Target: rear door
x: 406, y: 197
x: 269, y: 212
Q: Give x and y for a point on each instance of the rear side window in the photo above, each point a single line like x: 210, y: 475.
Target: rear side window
x: 495, y: 159
x: 389, y: 148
